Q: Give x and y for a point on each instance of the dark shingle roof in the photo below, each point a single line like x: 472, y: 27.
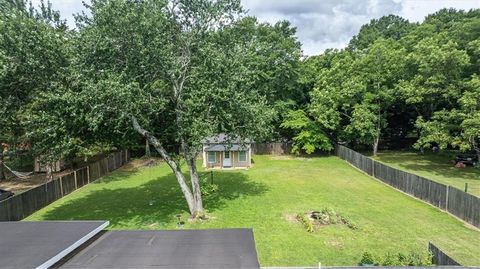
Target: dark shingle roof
x: 223, y: 139
x: 225, y: 147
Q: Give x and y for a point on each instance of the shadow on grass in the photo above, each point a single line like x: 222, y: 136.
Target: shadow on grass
x: 154, y: 203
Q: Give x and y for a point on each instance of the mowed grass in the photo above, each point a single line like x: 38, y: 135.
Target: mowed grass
x: 266, y: 197
x: 435, y: 166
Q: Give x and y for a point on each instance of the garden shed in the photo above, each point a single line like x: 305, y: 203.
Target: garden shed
x: 224, y: 151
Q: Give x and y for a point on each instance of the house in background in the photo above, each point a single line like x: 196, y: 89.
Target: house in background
x: 222, y: 152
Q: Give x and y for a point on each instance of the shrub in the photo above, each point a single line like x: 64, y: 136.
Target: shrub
x: 306, y: 222
x: 207, y: 188
x: 348, y: 222
x: 390, y: 260
x: 368, y: 259
x: 414, y: 258
x: 332, y: 215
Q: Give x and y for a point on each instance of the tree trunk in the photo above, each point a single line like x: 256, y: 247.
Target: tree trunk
x: 173, y: 165
x: 2, y: 169
x: 147, y: 149
x: 477, y: 150
x: 375, y: 145
x: 49, y: 171
x: 197, y: 193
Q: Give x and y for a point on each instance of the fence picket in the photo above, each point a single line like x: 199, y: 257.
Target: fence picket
x: 22, y: 205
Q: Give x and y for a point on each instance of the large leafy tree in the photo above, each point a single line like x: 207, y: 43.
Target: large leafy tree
x: 173, y: 72
x: 387, y: 27
x: 459, y: 127
x: 308, y: 135
x: 437, y: 66
x: 33, y: 60
x: 392, y: 73
x: 357, y: 92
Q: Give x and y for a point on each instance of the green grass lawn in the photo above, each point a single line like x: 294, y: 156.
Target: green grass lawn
x: 437, y: 167
x: 266, y: 197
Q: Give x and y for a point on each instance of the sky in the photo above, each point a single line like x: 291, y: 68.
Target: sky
x: 321, y: 24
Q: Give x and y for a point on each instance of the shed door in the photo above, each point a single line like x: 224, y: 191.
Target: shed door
x: 227, y: 160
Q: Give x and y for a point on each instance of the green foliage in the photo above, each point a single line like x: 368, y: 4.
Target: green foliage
x: 353, y: 96
x: 459, y: 127
x: 350, y: 224
x: 368, y: 259
x: 398, y: 79
x: 308, y: 134
x: 387, y: 27
x: 207, y: 188
x: 306, y: 222
x: 414, y: 258
x: 34, y: 59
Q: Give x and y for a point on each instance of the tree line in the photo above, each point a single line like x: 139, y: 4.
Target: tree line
x: 176, y: 71
x: 395, y: 80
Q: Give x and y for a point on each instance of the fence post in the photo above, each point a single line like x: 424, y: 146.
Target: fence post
x: 446, y: 202
x: 373, y: 167
x: 88, y: 174
x: 61, y: 186
x: 75, y: 177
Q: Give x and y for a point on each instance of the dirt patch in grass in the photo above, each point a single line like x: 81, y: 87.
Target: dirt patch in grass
x: 334, y: 243
x: 289, y: 157
x: 291, y: 218
x: 19, y: 185
x: 314, y: 220
x: 135, y: 164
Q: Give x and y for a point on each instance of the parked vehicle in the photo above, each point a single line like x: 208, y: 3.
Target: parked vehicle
x: 5, y: 194
x: 467, y: 159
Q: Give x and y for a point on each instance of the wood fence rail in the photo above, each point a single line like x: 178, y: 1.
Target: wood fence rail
x: 459, y: 203
x: 24, y: 204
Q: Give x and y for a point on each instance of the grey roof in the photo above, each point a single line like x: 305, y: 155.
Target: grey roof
x: 42, y: 244
x: 189, y: 249
x: 224, y: 138
x: 217, y: 147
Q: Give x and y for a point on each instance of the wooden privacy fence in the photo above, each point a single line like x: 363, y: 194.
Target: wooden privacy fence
x: 24, y: 204
x: 459, y: 203
x: 276, y: 148
x: 439, y: 257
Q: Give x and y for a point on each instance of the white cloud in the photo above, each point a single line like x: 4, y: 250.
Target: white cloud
x: 321, y: 24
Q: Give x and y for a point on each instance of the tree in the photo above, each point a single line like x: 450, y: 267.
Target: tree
x: 309, y: 136
x: 387, y: 27
x: 172, y: 71
x: 459, y: 127
x: 436, y: 68
x: 277, y: 54
x: 355, y: 95
x: 33, y: 59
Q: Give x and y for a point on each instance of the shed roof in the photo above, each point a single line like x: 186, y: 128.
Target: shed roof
x: 218, y: 147
x: 223, y: 138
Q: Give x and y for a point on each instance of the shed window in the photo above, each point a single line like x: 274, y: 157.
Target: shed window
x: 242, y: 156
x: 212, y: 157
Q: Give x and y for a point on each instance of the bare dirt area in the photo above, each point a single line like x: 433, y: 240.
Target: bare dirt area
x: 135, y: 164
x: 19, y: 185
